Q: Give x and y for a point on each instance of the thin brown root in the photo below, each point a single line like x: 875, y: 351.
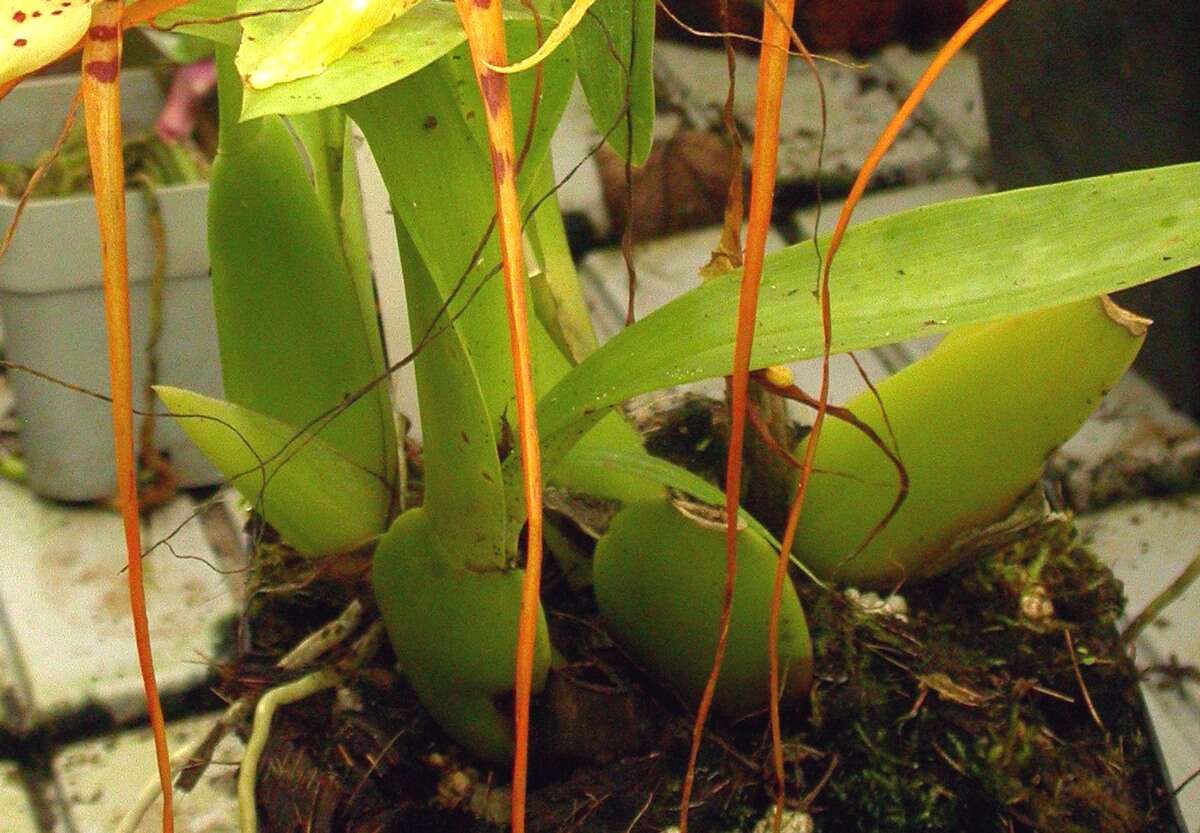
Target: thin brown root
x: 1087, y: 697
x: 536, y: 98
x: 230, y: 18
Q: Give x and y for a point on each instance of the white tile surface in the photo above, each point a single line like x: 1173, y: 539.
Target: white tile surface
x: 955, y: 101
x: 1147, y: 544
x: 859, y: 104
x: 100, y: 780
x: 16, y: 690
x: 1134, y: 441
x: 66, y: 600
x: 16, y: 814
x: 389, y: 279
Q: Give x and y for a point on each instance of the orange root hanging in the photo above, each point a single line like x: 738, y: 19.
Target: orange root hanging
x: 881, y: 147
x: 484, y: 25
x: 772, y: 75
x: 102, y: 108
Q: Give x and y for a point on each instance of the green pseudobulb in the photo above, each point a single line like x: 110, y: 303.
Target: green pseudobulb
x: 455, y: 632
x: 659, y: 579
x: 974, y: 422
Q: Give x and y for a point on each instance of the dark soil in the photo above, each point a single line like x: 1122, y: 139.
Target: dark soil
x: 1004, y: 703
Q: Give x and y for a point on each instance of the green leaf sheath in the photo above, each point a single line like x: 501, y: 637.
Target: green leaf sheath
x: 319, y: 501
x: 659, y: 578
x: 557, y: 296
x: 325, y: 136
x: 294, y: 339
x: 974, y: 421
x: 625, y: 27
x: 434, y: 163
x: 427, y: 136
x: 464, y: 490
x: 924, y: 271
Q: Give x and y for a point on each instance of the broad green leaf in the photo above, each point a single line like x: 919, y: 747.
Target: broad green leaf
x: 921, y: 272
x: 228, y: 32
x: 397, y: 50
x: 625, y: 27
x: 294, y: 339
x: 318, y: 500
x: 323, y: 35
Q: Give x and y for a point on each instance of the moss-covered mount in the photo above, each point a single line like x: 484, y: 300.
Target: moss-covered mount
x: 967, y: 717
x: 971, y: 716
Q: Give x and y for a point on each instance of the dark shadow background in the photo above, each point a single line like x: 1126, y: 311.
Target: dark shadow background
x: 1078, y: 88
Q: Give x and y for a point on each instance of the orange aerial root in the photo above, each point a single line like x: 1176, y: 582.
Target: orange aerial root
x: 484, y: 24
x: 102, y: 109
x: 881, y: 147
x: 772, y: 74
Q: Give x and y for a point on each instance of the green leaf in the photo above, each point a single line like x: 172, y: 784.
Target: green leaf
x: 325, y: 136
x: 921, y: 272
x: 624, y: 27
x: 557, y: 295
x: 406, y: 45
x: 464, y: 489
x: 228, y: 32
x: 293, y: 335
x: 319, y: 501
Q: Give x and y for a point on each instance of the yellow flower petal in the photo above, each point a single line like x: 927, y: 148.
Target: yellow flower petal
x: 34, y: 33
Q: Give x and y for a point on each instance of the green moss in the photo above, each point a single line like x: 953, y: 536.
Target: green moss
x: 970, y: 717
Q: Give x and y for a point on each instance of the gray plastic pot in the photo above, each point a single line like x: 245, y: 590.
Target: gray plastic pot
x: 51, y: 304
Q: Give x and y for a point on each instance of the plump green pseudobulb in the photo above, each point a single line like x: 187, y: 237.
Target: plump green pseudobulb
x: 974, y: 421
x: 659, y: 577
x: 454, y: 631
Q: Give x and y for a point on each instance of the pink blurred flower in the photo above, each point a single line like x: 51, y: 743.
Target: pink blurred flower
x: 191, y: 84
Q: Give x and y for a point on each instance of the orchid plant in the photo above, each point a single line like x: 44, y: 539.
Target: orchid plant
x: 461, y: 133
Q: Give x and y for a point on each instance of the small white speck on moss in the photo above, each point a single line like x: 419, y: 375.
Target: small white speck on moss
x: 793, y: 821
